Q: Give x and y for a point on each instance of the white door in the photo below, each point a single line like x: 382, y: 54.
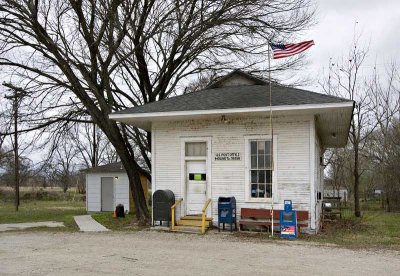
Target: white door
x: 196, y: 186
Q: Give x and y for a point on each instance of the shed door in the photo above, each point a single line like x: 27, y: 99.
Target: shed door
x: 196, y: 186
x: 107, y: 194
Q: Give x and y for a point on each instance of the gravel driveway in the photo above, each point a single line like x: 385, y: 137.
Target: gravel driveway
x: 159, y: 253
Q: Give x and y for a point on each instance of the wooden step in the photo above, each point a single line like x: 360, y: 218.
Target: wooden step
x: 192, y: 222
x: 195, y: 218
x: 187, y: 229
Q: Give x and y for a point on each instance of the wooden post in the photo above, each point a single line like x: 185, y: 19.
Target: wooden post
x: 173, y: 219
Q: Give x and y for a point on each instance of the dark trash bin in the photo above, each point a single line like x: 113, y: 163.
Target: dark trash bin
x: 226, y: 212
x: 120, y: 211
x: 162, y: 202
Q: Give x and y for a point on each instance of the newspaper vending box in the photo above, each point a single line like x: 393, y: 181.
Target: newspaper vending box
x: 288, y: 221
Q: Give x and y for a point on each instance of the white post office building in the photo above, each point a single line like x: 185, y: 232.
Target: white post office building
x: 219, y: 142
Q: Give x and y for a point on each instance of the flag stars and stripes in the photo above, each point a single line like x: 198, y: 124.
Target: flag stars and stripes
x: 287, y: 50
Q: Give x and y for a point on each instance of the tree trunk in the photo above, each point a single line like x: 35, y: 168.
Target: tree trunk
x: 138, y: 195
x: 133, y: 171
x: 388, y: 207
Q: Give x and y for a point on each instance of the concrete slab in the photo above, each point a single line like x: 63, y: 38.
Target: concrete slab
x: 87, y: 224
x: 23, y: 226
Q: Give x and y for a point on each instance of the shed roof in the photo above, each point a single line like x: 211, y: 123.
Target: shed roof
x: 116, y: 167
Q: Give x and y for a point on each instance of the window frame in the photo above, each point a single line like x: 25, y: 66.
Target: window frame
x: 247, y: 160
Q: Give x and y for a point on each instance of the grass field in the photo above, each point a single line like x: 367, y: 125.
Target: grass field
x: 7, y: 194
x: 375, y: 229
x: 34, y: 211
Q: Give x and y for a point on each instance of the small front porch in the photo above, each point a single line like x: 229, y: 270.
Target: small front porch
x: 197, y: 224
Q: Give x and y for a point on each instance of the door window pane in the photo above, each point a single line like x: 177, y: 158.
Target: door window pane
x: 196, y: 149
x: 197, y: 176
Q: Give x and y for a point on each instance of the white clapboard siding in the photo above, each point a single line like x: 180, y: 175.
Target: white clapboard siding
x: 228, y: 177
x: 93, y: 190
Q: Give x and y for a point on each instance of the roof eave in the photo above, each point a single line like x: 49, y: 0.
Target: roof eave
x: 145, y: 120
x: 148, y: 115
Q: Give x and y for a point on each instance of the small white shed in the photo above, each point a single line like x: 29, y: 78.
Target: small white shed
x: 106, y: 187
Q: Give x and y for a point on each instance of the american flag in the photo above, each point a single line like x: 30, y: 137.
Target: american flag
x: 287, y: 50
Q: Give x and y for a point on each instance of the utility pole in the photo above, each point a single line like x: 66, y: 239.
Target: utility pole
x: 16, y: 97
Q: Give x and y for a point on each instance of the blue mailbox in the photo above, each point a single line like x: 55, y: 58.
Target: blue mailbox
x: 288, y: 221
x: 226, y: 212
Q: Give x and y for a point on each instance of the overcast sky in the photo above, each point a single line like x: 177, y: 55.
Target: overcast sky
x: 378, y: 23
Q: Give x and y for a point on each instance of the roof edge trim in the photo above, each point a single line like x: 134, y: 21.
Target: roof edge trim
x: 348, y: 104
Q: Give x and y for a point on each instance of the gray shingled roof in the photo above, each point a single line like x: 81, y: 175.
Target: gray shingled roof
x: 246, y: 96
x: 108, y: 168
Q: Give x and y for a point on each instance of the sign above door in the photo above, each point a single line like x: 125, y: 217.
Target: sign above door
x: 227, y: 156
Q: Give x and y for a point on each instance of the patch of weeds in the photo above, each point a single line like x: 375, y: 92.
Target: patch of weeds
x: 127, y: 223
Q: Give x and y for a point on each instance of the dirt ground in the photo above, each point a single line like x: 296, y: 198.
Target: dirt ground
x: 160, y: 253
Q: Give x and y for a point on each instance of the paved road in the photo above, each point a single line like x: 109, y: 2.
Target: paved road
x: 26, y: 225
x: 155, y: 253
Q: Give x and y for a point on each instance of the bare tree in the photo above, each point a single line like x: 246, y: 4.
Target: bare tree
x: 81, y: 56
x: 383, y: 148
x: 64, y: 164
x: 93, y: 146
x: 375, y: 108
x: 8, y: 165
x: 337, y: 167
x: 345, y: 80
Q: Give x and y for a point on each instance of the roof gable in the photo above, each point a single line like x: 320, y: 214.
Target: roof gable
x: 237, y: 78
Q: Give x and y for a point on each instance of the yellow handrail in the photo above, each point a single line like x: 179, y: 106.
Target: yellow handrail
x: 177, y: 202
x: 203, y: 216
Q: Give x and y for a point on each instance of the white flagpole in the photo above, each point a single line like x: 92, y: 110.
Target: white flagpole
x: 272, y: 137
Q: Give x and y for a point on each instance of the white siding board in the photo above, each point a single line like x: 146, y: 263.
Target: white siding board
x: 293, y: 157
